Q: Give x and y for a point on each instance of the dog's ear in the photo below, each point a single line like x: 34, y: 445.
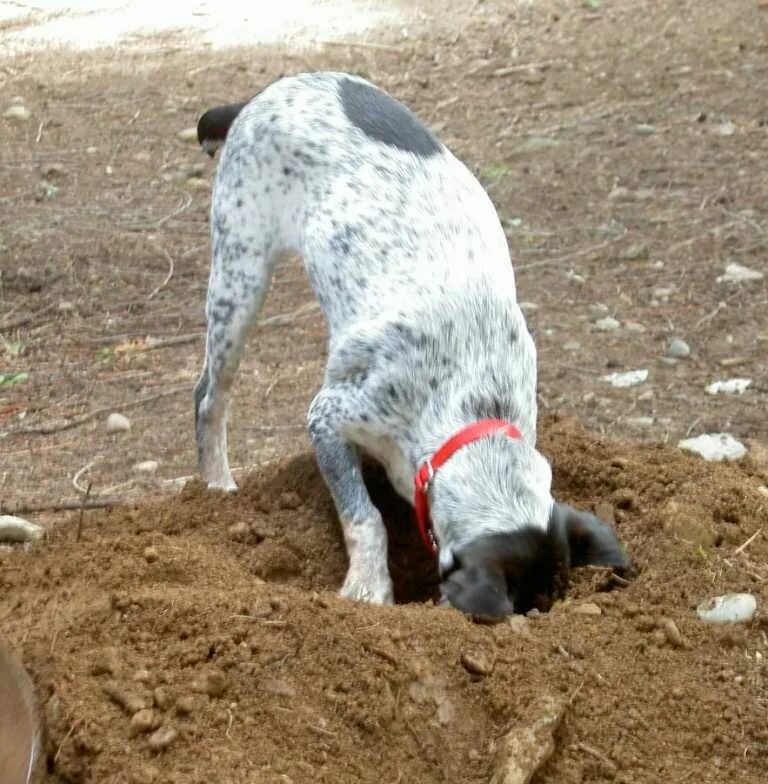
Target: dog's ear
x: 590, y: 540
x: 479, y: 590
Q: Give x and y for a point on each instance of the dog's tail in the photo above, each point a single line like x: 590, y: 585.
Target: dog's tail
x: 213, y: 126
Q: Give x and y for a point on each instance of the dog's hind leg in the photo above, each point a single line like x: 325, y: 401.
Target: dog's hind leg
x: 364, y: 533
x: 240, y: 275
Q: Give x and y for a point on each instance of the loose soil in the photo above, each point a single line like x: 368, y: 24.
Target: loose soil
x: 219, y: 615
x: 624, y: 149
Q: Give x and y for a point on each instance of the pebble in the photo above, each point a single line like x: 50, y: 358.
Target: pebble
x: 598, y: 309
x: 146, y: 774
x: 185, y: 705
x: 571, y: 345
x: 640, y: 422
x: 198, y: 184
x: 17, y: 529
x: 634, y: 326
x: 162, y: 697
x: 714, y: 446
x: 629, y: 378
x: 645, y: 129
x: 141, y: 722
x: 519, y: 625
x: 726, y: 128
x: 586, y: 608
x: 66, y: 307
x: 146, y: 466
x: 106, y: 663
x: 528, y: 306
x: 117, y: 423
x: 738, y: 273
x: 728, y: 608
x: 188, y: 134
x: 162, y: 738
x: 671, y: 632
x: 731, y: 386
x: 151, y: 554
x: 607, y: 324
x: 278, y: 687
x: 17, y: 112
x: 678, y: 349
x: 477, y: 663
x: 238, y: 532
x: 289, y: 500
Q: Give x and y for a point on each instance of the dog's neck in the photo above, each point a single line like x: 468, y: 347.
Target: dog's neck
x: 494, y: 485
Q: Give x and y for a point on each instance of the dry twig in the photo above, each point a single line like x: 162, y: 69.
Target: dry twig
x: 155, y: 291
x: 82, y: 512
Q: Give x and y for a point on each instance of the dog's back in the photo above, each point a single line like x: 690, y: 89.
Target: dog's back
x: 382, y: 213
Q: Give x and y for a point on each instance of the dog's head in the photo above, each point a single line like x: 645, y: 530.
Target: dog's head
x: 497, y: 574
x: 213, y: 126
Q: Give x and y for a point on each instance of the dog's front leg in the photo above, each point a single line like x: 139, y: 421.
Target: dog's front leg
x: 364, y: 533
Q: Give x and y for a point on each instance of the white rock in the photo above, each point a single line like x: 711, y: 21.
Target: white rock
x: 731, y: 386
x: 678, y: 349
x: 17, y: 529
x: 726, y: 128
x: 630, y: 378
x: 17, y: 112
x: 729, y: 608
x: 188, y: 134
x: 571, y: 345
x: 634, y: 326
x: 607, y: 324
x: 598, y: 309
x: 146, y: 467
x: 714, y: 446
x: 738, y: 273
x: 528, y: 306
x: 117, y: 423
x: 641, y: 421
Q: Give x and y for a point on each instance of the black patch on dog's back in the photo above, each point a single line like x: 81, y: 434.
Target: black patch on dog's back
x: 386, y: 120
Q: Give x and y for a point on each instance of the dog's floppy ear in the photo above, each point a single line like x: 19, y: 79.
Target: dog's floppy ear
x: 590, y: 540
x: 479, y: 590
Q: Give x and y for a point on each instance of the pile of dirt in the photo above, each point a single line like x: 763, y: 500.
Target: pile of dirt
x: 200, y: 639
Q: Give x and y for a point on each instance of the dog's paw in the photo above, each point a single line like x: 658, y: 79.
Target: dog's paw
x: 369, y: 589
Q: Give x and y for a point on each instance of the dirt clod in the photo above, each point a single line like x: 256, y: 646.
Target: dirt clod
x: 477, y: 662
x: 141, y: 722
x: 162, y: 738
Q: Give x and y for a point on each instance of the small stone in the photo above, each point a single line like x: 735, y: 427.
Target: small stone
x: 528, y: 307
x: 519, y: 625
x: 215, y: 683
x: 198, y: 184
x: 477, y: 663
x: 162, y: 738
x: 144, y: 774
x: 238, y: 532
x: 678, y: 349
x: 714, y: 446
x: 671, y: 632
x: 634, y: 326
x: 640, y: 422
x: 91, y: 150
x: 162, y: 697
x: 729, y: 608
x: 146, y: 467
x: 645, y: 129
x: 731, y: 386
x: 607, y: 324
x: 726, y: 128
x: 598, y: 309
x: 188, y: 134
x: 19, y: 530
x: 142, y: 721
x: 66, y: 307
x: 644, y: 623
x: 17, y: 112
x: 586, y: 608
x: 629, y: 378
x: 151, y: 554
x: 185, y: 705
x: 634, y: 252
x: 278, y: 687
x: 571, y: 345
x: 142, y: 676
x: 117, y: 423
x: 107, y: 662
x: 738, y: 273
x: 289, y: 500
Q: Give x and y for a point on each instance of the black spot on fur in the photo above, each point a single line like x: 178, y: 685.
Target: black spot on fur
x: 381, y: 117
x: 433, y: 383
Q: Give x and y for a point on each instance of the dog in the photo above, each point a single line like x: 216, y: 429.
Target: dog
x: 429, y: 355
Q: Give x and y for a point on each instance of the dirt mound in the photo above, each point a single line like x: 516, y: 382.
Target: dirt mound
x: 200, y: 639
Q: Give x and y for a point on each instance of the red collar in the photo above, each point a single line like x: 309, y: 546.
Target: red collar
x: 426, y: 472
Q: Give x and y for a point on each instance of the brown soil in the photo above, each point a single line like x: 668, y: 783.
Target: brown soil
x: 219, y: 613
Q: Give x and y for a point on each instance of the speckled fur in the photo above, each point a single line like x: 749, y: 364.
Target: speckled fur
x: 411, y: 267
